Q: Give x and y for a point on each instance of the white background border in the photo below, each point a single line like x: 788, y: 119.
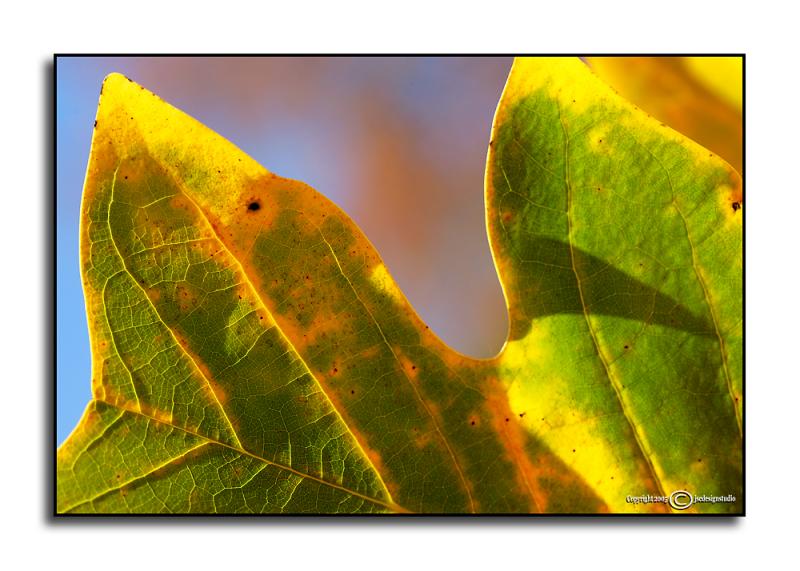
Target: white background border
x: 765, y: 31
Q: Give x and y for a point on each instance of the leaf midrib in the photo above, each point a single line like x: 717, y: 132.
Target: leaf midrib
x: 392, y: 505
x: 414, y: 388
x: 595, y: 341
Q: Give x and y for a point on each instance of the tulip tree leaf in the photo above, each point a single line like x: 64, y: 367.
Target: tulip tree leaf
x: 252, y: 354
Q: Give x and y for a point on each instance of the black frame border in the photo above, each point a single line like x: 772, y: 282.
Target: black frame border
x: 51, y: 163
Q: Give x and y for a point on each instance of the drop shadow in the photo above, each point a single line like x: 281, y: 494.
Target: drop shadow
x: 48, y: 215
x: 664, y: 522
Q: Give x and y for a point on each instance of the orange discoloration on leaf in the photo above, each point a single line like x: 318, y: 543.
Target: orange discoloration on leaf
x: 453, y: 360
x: 421, y: 439
x: 323, y: 325
x: 154, y: 294
x: 409, y: 367
x: 505, y: 423
x: 98, y: 389
x: 370, y: 352
x: 180, y: 202
x: 220, y: 394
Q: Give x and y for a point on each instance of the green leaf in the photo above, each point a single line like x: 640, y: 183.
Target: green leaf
x: 251, y: 352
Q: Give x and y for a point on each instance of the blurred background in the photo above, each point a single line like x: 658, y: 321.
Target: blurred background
x: 398, y: 143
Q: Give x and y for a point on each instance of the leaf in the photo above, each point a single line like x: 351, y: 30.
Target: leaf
x: 251, y: 352
x: 699, y: 96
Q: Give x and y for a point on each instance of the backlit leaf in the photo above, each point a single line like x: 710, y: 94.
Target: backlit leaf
x: 699, y: 96
x: 252, y: 353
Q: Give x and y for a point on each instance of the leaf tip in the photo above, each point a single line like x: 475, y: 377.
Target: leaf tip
x: 112, y: 79
x: 114, y: 83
